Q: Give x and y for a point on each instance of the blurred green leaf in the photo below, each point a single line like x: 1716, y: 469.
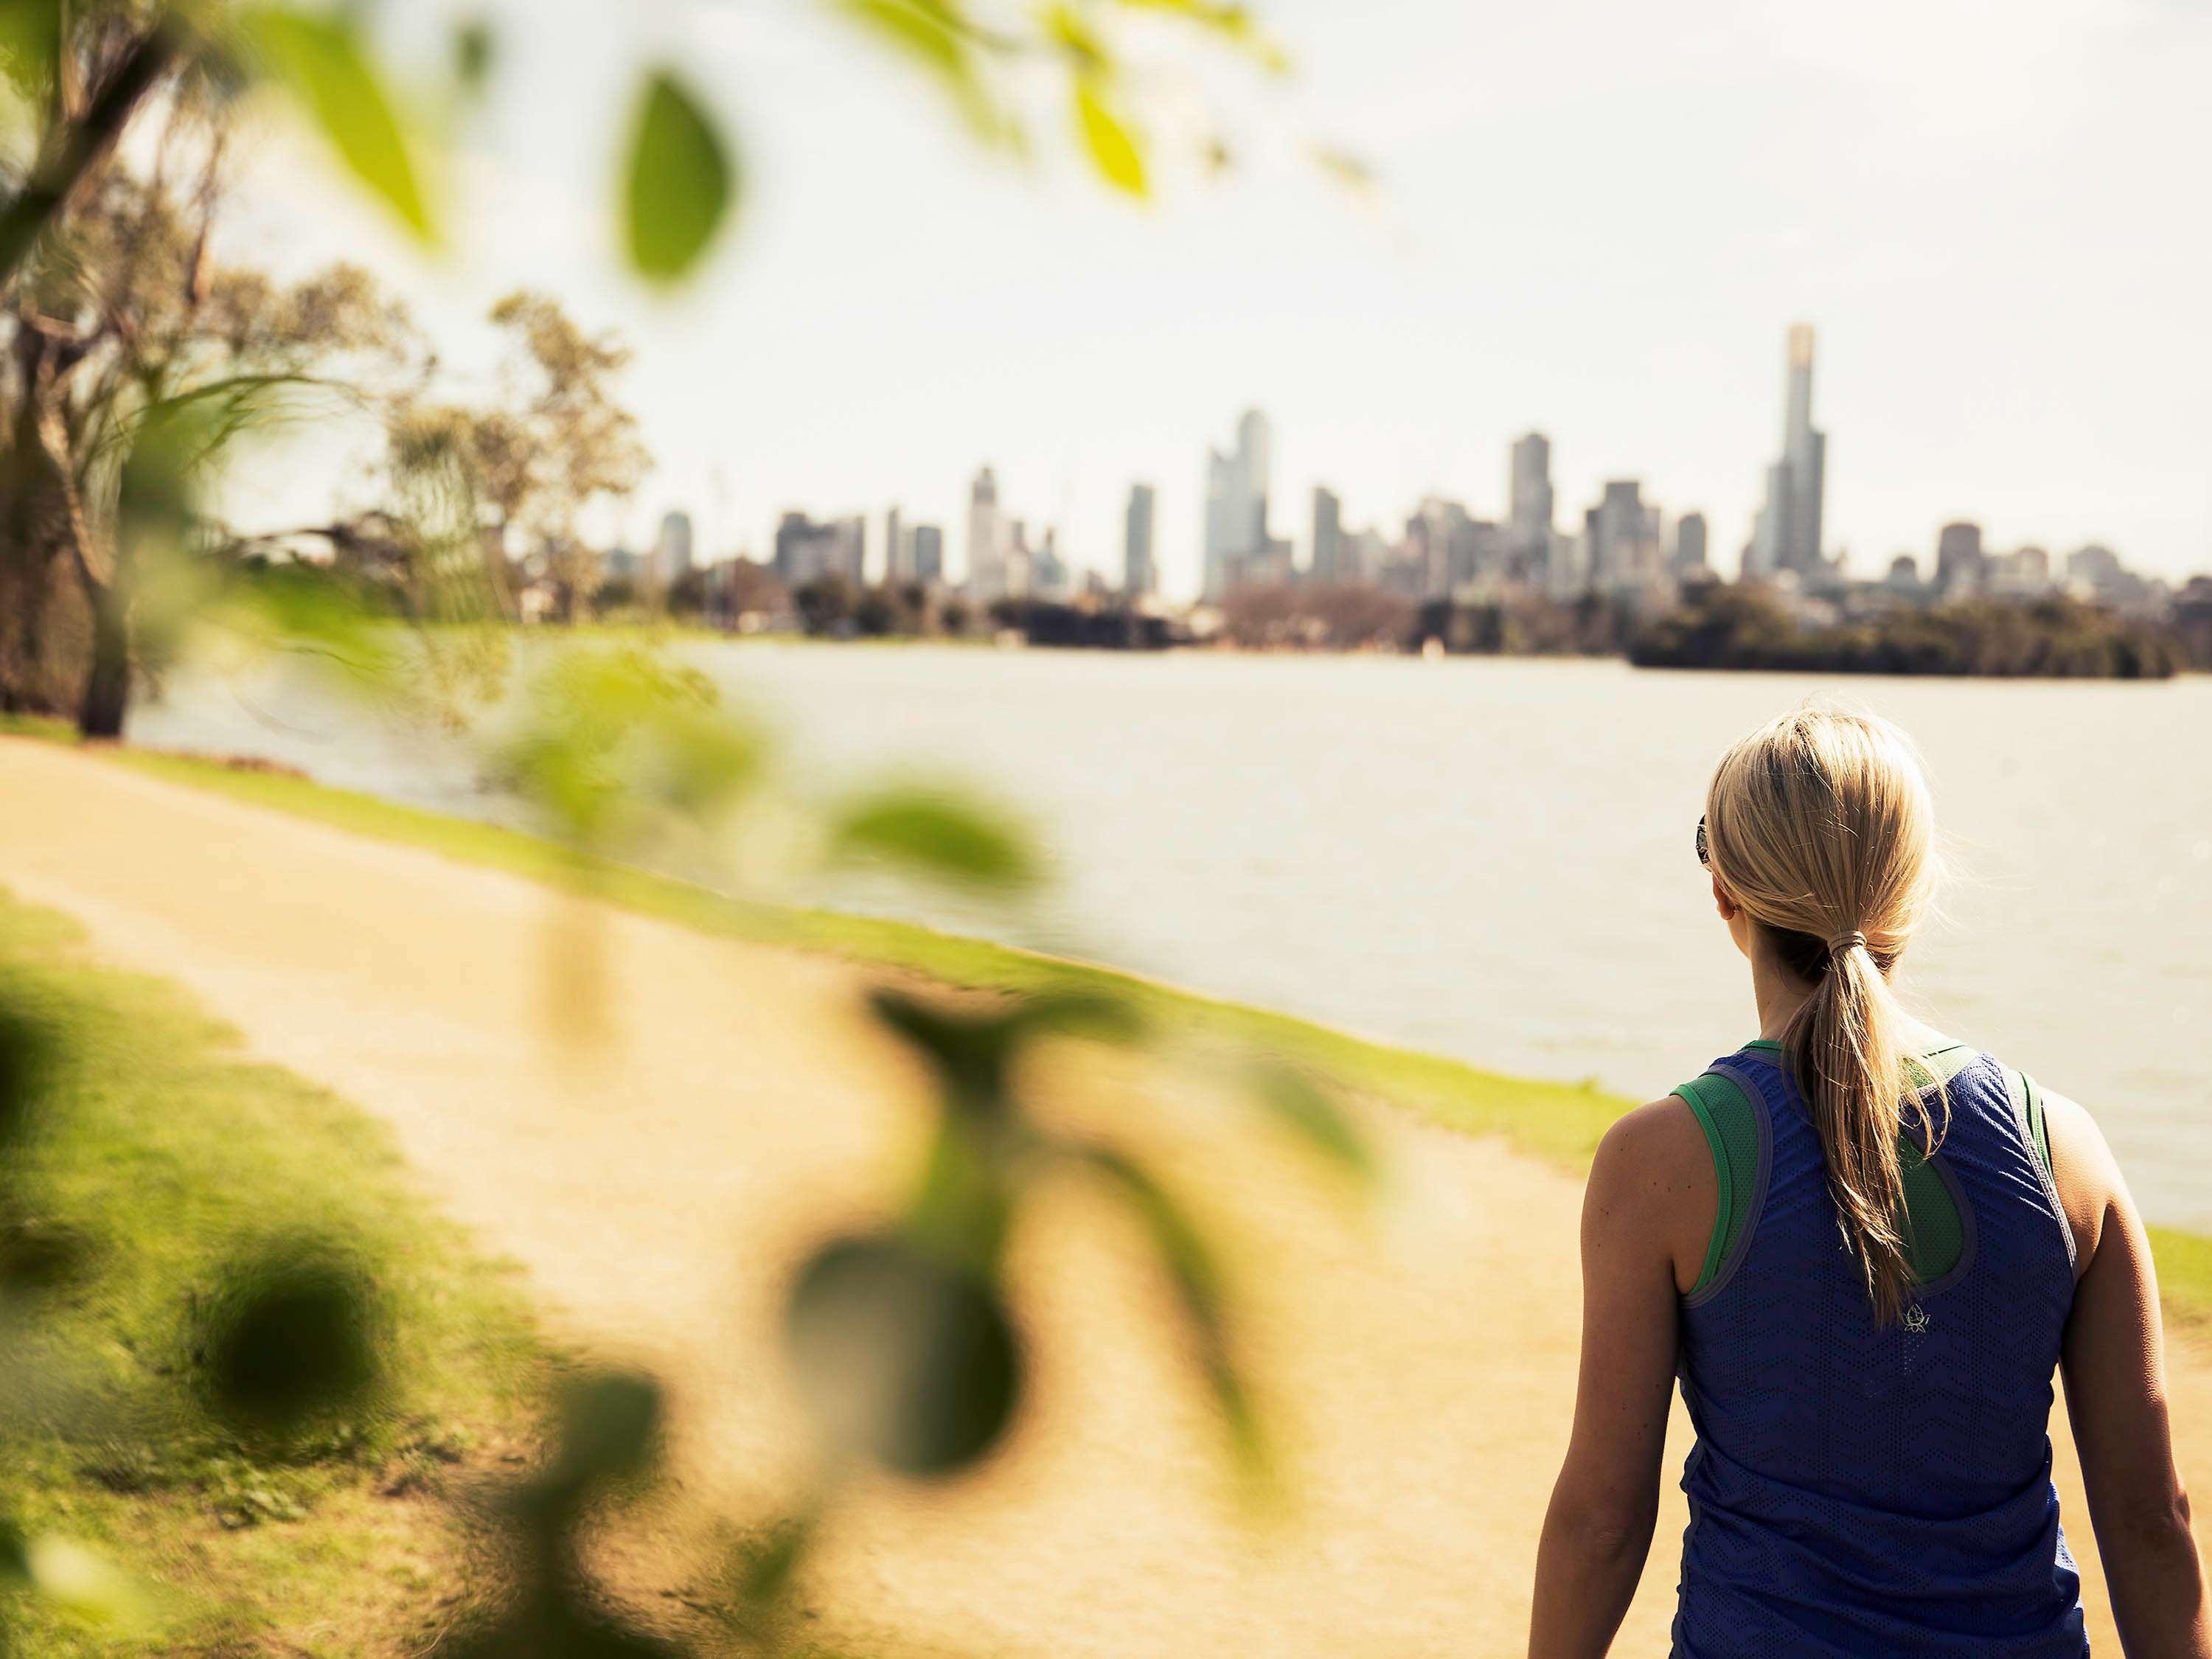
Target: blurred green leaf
x: 940, y: 35
x: 1309, y: 1111
x: 609, y: 1429
x: 1197, y: 1282
x: 1072, y: 30
x: 1347, y: 169
x: 293, y: 1335
x: 615, y: 744
x: 30, y: 45
x: 308, y: 610
x: 681, y: 182
x: 475, y: 46
x: 902, y: 1356
x: 936, y: 834
x: 68, y: 1573
x: 324, y: 61
x: 1234, y: 23
x: 1114, y: 147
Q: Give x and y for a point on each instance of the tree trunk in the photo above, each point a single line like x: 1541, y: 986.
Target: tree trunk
x: 108, y: 687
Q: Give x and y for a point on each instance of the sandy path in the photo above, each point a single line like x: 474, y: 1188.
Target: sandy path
x: 1421, y: 1358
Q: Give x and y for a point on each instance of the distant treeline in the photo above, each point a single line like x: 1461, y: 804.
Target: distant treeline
x: 1713, y: 626
x: 2055, y: 637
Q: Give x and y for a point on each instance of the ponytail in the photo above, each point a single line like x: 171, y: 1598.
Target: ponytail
x: 1843, y: 1044
x: 1820, y: 827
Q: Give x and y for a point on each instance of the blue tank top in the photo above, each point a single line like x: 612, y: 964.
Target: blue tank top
x: 1857, y: 1491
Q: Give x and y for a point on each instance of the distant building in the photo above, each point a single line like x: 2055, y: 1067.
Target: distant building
x: 1623, y: 539
x: 1690, y: 544
x: 671, y: 554
x: 1361, y: 555
x: 1140, y: 575
x: 1236, y: 526
x: 2096, y: 572
x: 1437, y: 531
x: 898, y: 552
x: 1529, y: 506
x: 1049, y: 573
x: 1327, y: 554
x: 808, y: 550
x: 1787, y: 535
x: 1904, y: 574
x: 987, y: 540
x: 1960, y: 563
x: 2022, y: 574
x: 926, y: 543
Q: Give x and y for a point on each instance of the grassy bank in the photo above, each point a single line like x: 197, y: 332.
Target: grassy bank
x: 151, y: 1140
x: 1561, y: 1123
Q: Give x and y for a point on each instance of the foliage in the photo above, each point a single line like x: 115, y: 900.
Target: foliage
x: 1324, y: 616
x: 1748, y: 627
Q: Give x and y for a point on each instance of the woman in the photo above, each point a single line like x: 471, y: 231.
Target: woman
x: 1864, y: 1250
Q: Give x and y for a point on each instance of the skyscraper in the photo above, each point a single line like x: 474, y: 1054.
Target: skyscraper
x: 1960, y: 561
x: 928, y: 543
x: 987, y: 545
x: 1689, y: 543
x: 1140, y: 576
x: 1236, y: 525
x: 1788, y: 533
x: 672, y: 556
x: 1623, y: 532
x: 1528, y: 503
x: 898, y: 561
x: 1328, y: 564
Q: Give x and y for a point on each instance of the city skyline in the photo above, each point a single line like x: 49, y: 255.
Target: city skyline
x: 1973, y: 216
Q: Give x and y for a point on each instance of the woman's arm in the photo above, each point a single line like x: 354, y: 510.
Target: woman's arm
x: 2114, y: 1363
x: 1648, y: 1207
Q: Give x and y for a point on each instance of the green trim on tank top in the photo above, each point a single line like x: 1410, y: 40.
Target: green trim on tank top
x: 1935, y: 1231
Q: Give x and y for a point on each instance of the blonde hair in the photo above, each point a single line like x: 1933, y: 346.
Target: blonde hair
x: 1818, y: 825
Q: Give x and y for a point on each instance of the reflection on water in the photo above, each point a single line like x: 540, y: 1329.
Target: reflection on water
x: 1490, y: 859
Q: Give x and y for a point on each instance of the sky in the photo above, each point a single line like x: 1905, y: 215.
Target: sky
x: 1595, y: 218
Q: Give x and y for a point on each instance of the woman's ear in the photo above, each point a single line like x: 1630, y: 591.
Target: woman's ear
x: 1727, y: 906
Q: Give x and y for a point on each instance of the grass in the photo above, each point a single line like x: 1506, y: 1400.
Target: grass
x: 153, y: 1138
x: 1559, y: 1123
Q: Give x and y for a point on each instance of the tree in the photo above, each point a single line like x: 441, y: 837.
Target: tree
x: 133, y: 359
x: 555, y: 442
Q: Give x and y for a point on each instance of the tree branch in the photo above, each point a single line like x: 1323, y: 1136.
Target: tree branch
x: 72, y: 150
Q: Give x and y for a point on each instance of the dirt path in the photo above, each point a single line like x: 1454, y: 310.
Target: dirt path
x: 1421, y: 1358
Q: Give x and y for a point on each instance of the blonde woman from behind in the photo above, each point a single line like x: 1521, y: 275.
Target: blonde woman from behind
x: 1864, y: 1250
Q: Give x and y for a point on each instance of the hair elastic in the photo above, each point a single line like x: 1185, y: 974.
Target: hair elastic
x: 1852, y: 940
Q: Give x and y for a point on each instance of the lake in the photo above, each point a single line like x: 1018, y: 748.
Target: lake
x: 1486, y: 858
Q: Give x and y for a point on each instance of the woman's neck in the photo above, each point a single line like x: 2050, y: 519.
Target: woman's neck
x: 1779, y: 993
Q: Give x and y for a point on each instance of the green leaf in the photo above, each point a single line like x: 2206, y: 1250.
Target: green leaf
x: 326, y: 66
x: 937, y: 34
x: 1353, y: 171
x: 681, y: 185
x: 935, y: 834
x: 903, y: 1356
x: 1231, y: 21
x: 475, y: 44
x: 1114, y: 147
x: 30, y: 45
x: 1197, y: 1282
x: 1301, y: 1106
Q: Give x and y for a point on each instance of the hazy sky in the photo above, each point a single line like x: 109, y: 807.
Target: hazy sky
x: 1596, y: 219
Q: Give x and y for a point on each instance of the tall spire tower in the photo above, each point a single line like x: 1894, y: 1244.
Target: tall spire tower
x: 1787, y: 537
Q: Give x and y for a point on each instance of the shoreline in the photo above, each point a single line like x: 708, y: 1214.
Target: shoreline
x: 1558, y: 1122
